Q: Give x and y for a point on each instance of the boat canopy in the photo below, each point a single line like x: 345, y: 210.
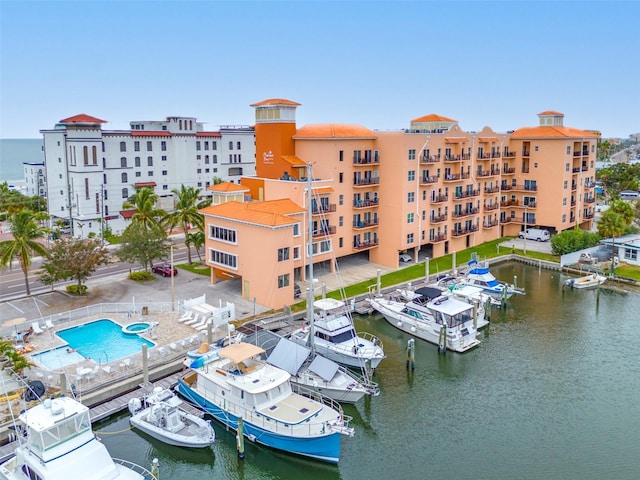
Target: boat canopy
x: 237, y: 352
x: 429, y: 292
x: 328, y: 304
x: 324, y: 367
x: 288, y: 356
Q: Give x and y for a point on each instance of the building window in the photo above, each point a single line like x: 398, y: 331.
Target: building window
x: 223, y: 234
x: 136, y: 161
x: 341, y: 200
x: 283, y: 280
x: 230, y: 145
x: 85, y: 154
x: 631, y: 254
x: 165, y: 187
x: 150, y: 173
x: 163, y: 146
x: 223, y: 258
x: 149, y: 147
x: 342, y: 155
x: 341, y: 177
x: 568, y: 151
x: 535, y: 149
x: 124, y: 177
x: 198, y: 145
x: 125, y: 193
x: 411, y: 196
x: 565, y: 184
x: 149, y: 161
x: 214, y: 145
x: 411, y: 176
x: 165, y: 172
x: 136, y: 146
x: 412, y: 154
x: 238, y: 146
x: 206, y: 145
x: 199, y: 170
x: 340, y: 221
x: 123, y: 162
x: 296, y: 253
x: 564, y: 218
x: 123, y: 146
x: 410, y: 239
x: 283, y: 254
x: 138, y: 174
x: 410, y: 217
x: 164, y: 158
x: 564, y: 202
x: 566, y: 167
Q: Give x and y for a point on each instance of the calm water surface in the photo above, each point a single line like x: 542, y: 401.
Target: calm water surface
x: 552, y: 392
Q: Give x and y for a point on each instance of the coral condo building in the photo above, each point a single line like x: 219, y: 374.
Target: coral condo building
x: 426, y: 190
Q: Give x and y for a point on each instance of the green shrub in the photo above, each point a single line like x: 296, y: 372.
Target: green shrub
x: 76, y: 290
x: 143, y: 276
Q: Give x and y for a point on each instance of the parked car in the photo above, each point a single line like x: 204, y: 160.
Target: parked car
x: 405, y: 257
x: 164, y: 269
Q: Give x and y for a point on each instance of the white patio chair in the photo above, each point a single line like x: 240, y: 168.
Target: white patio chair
x: 49, y: 323
x: 36, y: 328
x: 203, y: 321
x: 203, y: 326
x: 186, y: 317
x: 194, y: 320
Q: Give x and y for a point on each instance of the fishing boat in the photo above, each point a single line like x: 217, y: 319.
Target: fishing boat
x: 433, y: 317
x: 333, y: 336
x: 478, y: 275
x: 159, y: 415
x: 313, y: 371
x: 58, y: 444
x: 588, y: 281
x: 247, y: 394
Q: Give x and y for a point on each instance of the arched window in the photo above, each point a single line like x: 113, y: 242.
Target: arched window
x: 123, y: 146
x: 137, y: 161
x: 230, y: 145
x: 95, y: 155
x: 190, y: 125
x: 124, y: 177
x: 85, y: 152
x: 180, y: 124
x: 125, y: 192
x: 123, y: 162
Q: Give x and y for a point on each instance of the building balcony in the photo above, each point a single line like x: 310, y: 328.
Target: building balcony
x: 573, y: 203
x: 466, y: 156
x: 452, y: 177
x: 572, y: 219
x: 365, y: 203
x: 589, y: 185
x: 508, y: 171
x: 495, y: 155
x: 359, y: 246
x: 495, y: 189
x: 574, y: 186
x: 440, y: 198
x: 366, y: 182
x: 525, y: 188
x: 427, y: 180
x: 365, y: 225
x: 464, y: 231
x: 453, y: 158
x: 488, y: 208
x: 490, y: 223
x: 463, y: 195
x: 589, y: 199
x: 441, y: 237
x: 509, y: 155
x: 509, y: 203
x: 430, y: 159
x: 589, y: 216
x: 438, y: 218
x: 526, y: 153
x: 525, y: 170
x: 576, y: 170
x: 484, y: 156
x: 506, y: 188
x: 363, y: 162
x: 465, y: 213
x: 323, y: 232
x: 322, y: 209
x: 487, y: 173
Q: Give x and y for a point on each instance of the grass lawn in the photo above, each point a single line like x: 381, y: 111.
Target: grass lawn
x: 626, y: 271
x: 196, y: 268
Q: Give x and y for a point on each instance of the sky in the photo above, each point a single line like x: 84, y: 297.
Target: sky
x: 378, y: 64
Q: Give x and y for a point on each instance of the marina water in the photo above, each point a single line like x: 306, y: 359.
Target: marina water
x: 552, y: 392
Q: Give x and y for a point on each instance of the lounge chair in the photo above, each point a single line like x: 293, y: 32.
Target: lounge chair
x: 36, y: 328
x: 203, y: 326
x: 187, y: 316
x: 194, y: 320
x: 49, y: 323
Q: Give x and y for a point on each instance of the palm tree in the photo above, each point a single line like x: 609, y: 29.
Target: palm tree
x: 197, y: 240
x: 26, y: 230
x: 187, y: 214
x: 611, y: 225
x: 144, y: 201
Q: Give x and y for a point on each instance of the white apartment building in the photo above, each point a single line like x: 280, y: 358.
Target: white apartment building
x: 90, y: 172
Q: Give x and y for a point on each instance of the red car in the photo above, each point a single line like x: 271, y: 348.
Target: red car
x: 164, y: 269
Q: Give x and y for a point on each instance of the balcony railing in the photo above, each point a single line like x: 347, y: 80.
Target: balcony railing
x: 438, y: 238
x: 430, y: 159
x: 321, y: 209
x: 484, y: 156
x: 495, y: 155
x: 368, y: 224
x: 506, y: 188
x: 467, y: 194
x: 488, y: 208
x: 589, y: 199
x: 525, y: 153
x: 439, y: 198
x: 509, y: 154
x: 576, y: 170
x: 363, y: 182
x: 509, y: 203
x: 464, y: 231
x: 453, y: 158
x: 495, y: 189
x: 452, y: 177
x: 589, y: 215
x: 490, y: 223
x: 508, y: 171
x: 324, y: 231
x: 574, y: 186
x: 589, y: 184
x: 438, y: 218
x: 365, y: 245
x: 526, y: 188
x: 465, y: 213
x: 426, y: 179
x: 366, y: 161
x: 365, y: 203
x: 525, y: 169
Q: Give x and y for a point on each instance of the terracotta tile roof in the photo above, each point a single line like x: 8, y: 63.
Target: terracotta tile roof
x: 550, y: 131
x: 551, y: 112
x: 208, y: 134
x: 273, y: 213
x: 145, y: 184
x: 333, y: 130
x: 293, y: 160
x: 127, y: 213
x: 275, y: 101
x: 150, y: 133
x: 82, y: 118
x: 226, y: 187
x: 432, y: 117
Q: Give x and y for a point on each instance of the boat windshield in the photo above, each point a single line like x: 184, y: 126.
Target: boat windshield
x: 59, y: 432
x: 343, y: 337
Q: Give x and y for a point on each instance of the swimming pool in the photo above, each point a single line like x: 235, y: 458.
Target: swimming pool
x: 102, y: 341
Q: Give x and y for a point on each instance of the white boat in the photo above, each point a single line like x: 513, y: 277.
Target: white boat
x: 333, y: 335
x: 433, y: 317
x: 478, y: 275
x: 59, y: 444
x: 159, y: 415
x: 588, y: 281
x: 238, y: 385
x: 311, y: 370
